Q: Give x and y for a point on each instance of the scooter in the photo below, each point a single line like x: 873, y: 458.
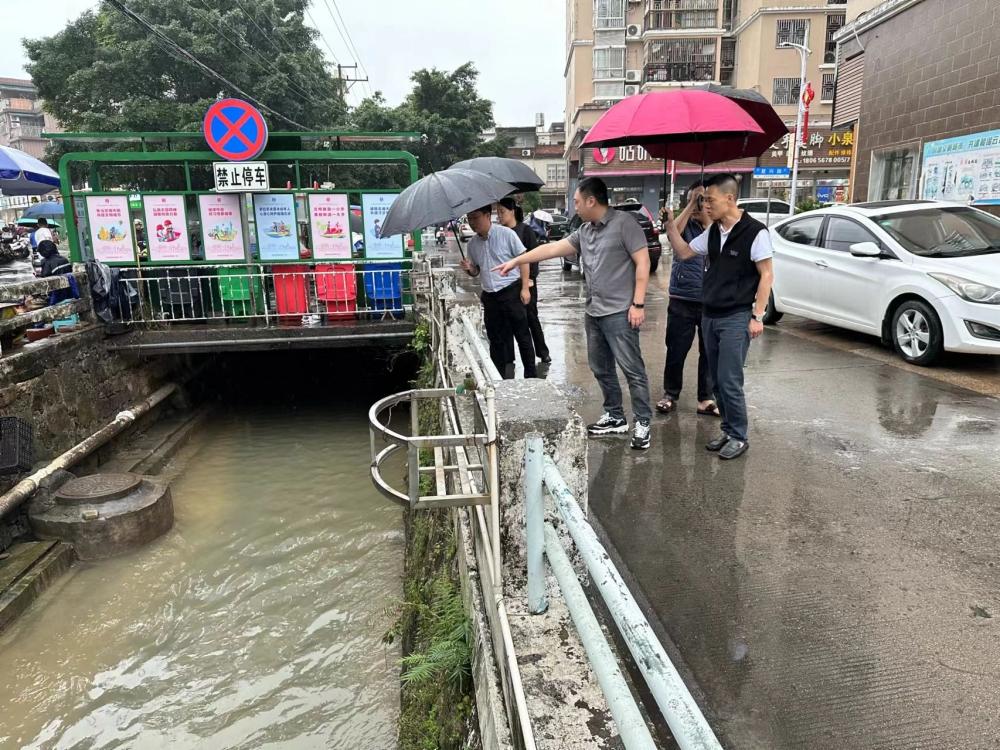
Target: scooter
x: 440, y: 238
x: 21, y: 247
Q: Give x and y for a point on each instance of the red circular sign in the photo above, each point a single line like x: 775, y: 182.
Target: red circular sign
x: 235, y: 130
x: 605, y: 155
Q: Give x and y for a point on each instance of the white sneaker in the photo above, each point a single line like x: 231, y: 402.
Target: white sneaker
x: 608, y: 425
x: 640, y: 435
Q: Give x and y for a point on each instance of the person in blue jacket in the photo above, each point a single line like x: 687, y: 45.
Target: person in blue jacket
x: 684, y: 313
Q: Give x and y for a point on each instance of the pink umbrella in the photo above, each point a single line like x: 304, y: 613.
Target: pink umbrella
x: 689, y: 125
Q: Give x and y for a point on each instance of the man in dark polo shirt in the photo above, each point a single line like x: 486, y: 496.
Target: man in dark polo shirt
x: 735, y: 290
x: 614, y: 259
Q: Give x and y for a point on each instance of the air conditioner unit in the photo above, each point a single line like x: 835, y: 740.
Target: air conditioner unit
x: 633, y: 76
x: 632, y: 31
x: 632, y: 90
x: 525, y: 152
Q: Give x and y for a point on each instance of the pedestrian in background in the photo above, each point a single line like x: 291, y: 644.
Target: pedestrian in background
x: 735, y: 293
x: 504, y: 298
x: 511, y: 216
x: 614, y: 259
x: 41, y: 234
x: 684, y: 312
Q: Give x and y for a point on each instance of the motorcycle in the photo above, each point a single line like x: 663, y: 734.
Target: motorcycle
x: 22, y: 248
x: 440, y: 238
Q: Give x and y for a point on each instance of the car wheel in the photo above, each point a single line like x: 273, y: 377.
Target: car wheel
x: 916, y: 333
x: 771, y: 314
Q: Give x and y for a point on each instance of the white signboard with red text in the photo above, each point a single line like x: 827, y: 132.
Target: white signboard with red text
x: 166, y: 228
x: 329, y: 220
x: 222, y: 227
x: 110, y: 228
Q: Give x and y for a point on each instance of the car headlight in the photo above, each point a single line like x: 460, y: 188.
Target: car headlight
x: 972, y: 291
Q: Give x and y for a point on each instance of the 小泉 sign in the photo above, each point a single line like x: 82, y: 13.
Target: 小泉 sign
x: 241, y: 176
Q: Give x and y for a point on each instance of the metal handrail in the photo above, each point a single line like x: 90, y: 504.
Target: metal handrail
x: 690, y: 729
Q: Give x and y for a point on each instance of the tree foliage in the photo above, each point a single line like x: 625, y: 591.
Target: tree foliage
x: 105, y: 72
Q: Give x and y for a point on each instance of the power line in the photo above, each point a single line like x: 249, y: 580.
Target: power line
x: 265, y: 66
x: 132, y: 15
x: 351, y: 46
x: 323, y: 36
x: 264, y: 34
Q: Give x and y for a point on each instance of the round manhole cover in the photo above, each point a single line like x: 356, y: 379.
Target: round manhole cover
x: 98, y: 488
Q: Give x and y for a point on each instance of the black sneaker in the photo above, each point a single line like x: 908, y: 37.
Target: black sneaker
x: 734, y: 449
x: 718, y: 443
x: 640, y: 436
x: 608, y: 425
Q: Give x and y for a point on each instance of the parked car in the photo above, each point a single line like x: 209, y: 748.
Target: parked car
x: 757, y: 208
x: 924, y: 276
x: 464, y: 229
x: 558, y: 228
x: 637, y: 212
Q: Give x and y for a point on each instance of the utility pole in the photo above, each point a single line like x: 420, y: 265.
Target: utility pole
x: 349, y: 81
x: 804, y: 53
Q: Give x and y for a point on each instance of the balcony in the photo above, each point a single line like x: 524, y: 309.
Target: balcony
x: 26, y: 131
x: 679, y: 72
x: 674, y: 15
x: 32, y: 106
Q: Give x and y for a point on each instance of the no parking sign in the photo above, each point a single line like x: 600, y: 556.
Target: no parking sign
x: 235, y: 130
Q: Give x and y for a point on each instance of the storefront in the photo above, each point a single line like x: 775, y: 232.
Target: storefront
x: 632, y: 174
x: 824, y: 167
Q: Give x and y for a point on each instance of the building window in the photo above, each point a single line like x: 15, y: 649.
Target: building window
x: 554, y: 174
x: 669, y: 60
x: 834, y: 23
x: 893, y: 174
x: 730, y: 12
x: 609, y: 14
x: 727, y: 62
x: 786, y: 91
x: 826, y: 93
x: 609, y: 90
x: 609, y: 62
x: 791, y: 31
x: 663, y: 15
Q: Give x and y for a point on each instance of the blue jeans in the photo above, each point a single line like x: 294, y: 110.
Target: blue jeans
x: 612, y: 341
x: 727, y: 341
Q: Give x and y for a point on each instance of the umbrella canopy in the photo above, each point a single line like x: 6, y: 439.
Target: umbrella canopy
x: 21, y: 174
x: 542, y: 216
x: 31, y: 222
x: 46, y: 209
x: 760, y: 109
x: 512, y: 171
x: 684, y: 124
x: 442, y: 196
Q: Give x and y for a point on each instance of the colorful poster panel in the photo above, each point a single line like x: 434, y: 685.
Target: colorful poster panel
x: 166, y: 228
x: 374, y: 207
x: 222, y: 227
x: 330, y: 223
x: 110, y: 228
x: 274, y: 215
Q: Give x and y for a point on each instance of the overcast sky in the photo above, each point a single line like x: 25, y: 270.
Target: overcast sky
x: 517, y: 45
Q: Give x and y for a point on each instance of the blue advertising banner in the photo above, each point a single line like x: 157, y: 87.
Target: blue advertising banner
x: 274, y: 216
x: 964, y: 169
x: 374, y: 207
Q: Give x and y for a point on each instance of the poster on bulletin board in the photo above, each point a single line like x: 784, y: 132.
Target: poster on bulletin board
x: 274, y: 216
x: 374, y: 207
x: 166, y: 228
x: 329, y: 220
x: 222, y: 227
x: 110, y: 228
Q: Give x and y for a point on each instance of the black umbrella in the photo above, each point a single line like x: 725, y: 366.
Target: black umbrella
x: 760, y: 109
x: 517, y: 173
x: 442, y: 196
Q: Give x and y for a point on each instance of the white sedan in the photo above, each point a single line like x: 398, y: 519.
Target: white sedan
x: 924, y: 276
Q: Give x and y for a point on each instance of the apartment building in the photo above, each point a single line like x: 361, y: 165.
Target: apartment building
x: 616, y: 48
x: 22, y: 120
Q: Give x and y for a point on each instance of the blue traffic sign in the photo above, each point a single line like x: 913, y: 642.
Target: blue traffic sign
x: 235, y: 130
x: 771, y: 172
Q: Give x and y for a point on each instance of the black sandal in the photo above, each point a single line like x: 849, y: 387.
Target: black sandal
x: 666, y: 405
x: 711, y: 411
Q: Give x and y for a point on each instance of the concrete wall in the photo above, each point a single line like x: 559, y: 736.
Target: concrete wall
x: 921, y: 86
x: 67, y: 387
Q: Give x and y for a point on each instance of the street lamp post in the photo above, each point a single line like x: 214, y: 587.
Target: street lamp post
x: 804, y: 53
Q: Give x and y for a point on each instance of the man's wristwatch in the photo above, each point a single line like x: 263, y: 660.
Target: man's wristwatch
x: 758, y: 318
x: 637, y: 305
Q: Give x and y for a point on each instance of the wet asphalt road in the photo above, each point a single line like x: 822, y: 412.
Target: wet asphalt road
x: 839, y: 587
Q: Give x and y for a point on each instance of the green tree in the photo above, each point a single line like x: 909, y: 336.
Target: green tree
x: 106, y: 72
x: 445, y: 108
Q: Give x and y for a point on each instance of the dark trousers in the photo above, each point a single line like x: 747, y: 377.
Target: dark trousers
x: 505, y: 315
x: 683, y: 321
x: 611, y: 342
x: 537, y: 337
x: 727, y: 341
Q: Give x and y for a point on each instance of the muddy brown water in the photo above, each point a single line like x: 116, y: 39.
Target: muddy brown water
x: 255, y: 623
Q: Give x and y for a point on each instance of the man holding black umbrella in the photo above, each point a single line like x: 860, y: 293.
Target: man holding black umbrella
x: 504, y: 298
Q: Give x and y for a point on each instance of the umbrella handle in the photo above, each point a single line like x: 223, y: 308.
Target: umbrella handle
x: 458, y: 239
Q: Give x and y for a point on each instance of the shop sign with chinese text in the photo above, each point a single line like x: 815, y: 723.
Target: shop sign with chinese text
x: 241, y: 176
x: 823, y: 149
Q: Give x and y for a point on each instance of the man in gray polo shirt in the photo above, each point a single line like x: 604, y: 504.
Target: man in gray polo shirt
x: 615, y: 262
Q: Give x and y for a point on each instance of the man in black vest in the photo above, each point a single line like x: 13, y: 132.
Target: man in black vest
x: 736, y: 288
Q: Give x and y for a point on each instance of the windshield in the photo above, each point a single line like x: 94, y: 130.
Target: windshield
x: 943, y: 232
